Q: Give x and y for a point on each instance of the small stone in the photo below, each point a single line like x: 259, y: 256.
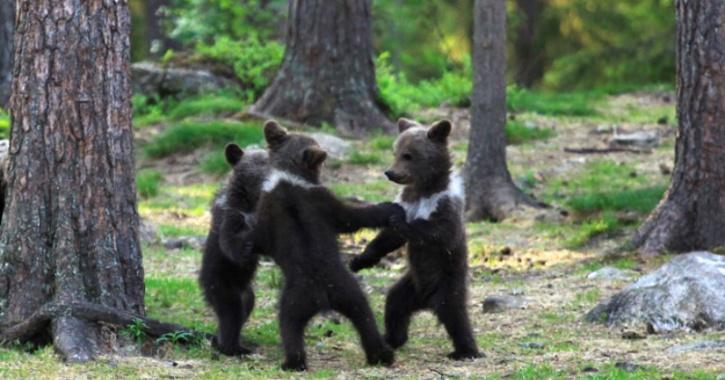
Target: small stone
x: 717, y: 345
x: 627, y: 366
x: 506, y: 251
x: 642, y: 139
x: 334, y: 146
x: 501, y: 302
x: 533, y: 345
x: 603, y: 129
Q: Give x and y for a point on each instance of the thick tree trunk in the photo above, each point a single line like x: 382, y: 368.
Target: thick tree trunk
x: 692, y: 214
x: 328, y: 73
x: 529, y: 54
x: 70, y: 229
x: 7, y: 22
x: 490, y: 192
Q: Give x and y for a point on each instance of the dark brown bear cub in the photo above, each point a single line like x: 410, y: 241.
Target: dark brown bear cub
x: 433, y: 228
x: 298, y: 221
x: 227, y: 267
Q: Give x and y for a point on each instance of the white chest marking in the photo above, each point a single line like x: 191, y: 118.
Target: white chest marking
x: 277, y: 176
x: 425, y: 207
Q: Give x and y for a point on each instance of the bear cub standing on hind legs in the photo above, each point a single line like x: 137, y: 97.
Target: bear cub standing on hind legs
x: 298, y: 221
x: 433, y: 228
x: 227, y: 267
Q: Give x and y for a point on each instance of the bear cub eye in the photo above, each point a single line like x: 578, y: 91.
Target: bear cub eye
x: 407, y: 156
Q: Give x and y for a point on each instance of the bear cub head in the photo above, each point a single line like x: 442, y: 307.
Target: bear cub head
x: 250, y: 169
x: 422, y: 160
x: 294, y: 153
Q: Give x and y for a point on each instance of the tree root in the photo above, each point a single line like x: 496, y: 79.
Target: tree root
x: 89, y: 312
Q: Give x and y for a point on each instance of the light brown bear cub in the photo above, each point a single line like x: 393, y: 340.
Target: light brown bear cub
x: 433, y: 227
x: 298, y: 221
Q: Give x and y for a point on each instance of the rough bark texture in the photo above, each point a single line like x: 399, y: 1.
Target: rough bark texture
x: 529, y: 53
x: 490, y: 192
x: 70, y: 229
x: 692, y: 214
x: 328, y: 73
x: 7, y: 22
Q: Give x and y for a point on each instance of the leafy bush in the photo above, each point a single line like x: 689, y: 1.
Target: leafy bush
x: 189, y: 135
x: 147, y: 182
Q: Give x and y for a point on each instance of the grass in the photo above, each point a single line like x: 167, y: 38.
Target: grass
x: 550, y: 103
x: 189, y: 135
x: 152, y: 111
x: 190, y: 200
x: 215, y: 163
x: 374, y: 191
x: 519, y: 133
x: 147, y: 182
x: 4, y: 124
x: 366, y: 158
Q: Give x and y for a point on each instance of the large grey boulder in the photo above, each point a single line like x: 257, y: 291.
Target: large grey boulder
x: 333, y: 145
x: 152, y: 79
x: 688, y: 293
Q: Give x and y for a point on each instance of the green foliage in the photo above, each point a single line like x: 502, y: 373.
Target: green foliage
x: 147, y: 182
x: 180, y: 337
x: 365, y: 158
x: 189, y: 135
x: 173, y: 230
x: 207, y: 105
x: 136, y: 330
x: 518, y: 133
x: 4, y: 125
x: 640, y: 200
x: 215, y: 163
x: 254, y: 62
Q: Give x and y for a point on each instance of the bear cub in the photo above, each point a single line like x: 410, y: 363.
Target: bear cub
x: 298, y: 222
x: 433, y: 228
x: 227, y: 267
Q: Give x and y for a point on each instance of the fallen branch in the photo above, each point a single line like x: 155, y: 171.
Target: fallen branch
x: 604, y: 150
x: 25, y: 330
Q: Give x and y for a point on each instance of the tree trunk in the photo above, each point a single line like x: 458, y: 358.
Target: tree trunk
x: 328, y: 73
x: 529, y: 53
x: 70, y: 229
x: 158, y: 41
x: 692, y: 214
x: 7, y: 21
x: 490, y: 192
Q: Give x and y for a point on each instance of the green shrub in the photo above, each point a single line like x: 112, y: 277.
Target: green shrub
x: 147, y: 182
x: 254, y: 62
x: 206, y: 105
x: 189, y: 135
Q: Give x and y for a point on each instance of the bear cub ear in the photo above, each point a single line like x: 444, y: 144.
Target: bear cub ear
x: 314, y: 157
x: 439, y: 131
x: 233, y: 153
x: 274, y: 134
x: 405, y: 124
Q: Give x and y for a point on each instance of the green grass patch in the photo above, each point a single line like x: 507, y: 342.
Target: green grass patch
x: 192, y: 200
x: 172, y: 230
x: 365, y: 158
x: 381, y: 142
x: 4, y: 124
x: 551, y: 103
x: 376, y: 191
x: 209, y: 105
x: 215, y: 163
x: 177, y: 300
x: 189, y: 135
x: 640, y: 200
x: 147, y: 182
x: 518, y: 133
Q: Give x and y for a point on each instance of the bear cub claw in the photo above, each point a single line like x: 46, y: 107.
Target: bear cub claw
x: 465, y: 355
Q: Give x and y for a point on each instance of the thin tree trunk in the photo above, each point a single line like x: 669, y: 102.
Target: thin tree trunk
x: 158, y: 41
x: 328, y: 73
x: 7, y: 22
x: 490, y: 192
x: 692, y: 213
x: 529, y: 54
x: 70, y: 229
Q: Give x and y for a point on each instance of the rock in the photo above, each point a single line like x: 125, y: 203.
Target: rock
x: 603, y: 129
x: 641, y: 139
x: 533, y: 345
x: 706, y: 345
x: 152, y: 79
x: 502, y: 302
x: 684, y: 294
x: 147, y: 232
x: 193, y: 242
x: 611, y: 274
x: 336, y: 147
x: 626, y: 366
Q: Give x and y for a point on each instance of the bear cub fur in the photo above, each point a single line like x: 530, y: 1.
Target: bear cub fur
x: 435, y: 233
x: 227, y: 268
x: 298, y: 222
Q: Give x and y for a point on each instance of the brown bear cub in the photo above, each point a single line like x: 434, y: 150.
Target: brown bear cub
x: 227, y: 268
x: 434, y: 230
x: 298, y: 221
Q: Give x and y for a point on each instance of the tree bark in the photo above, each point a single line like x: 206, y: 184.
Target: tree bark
x: 529, y: 54
x: 70, y: 229
x: 328, y: 73
x: 692, y: 214
x: 7, y: 22
x: 490, y: 191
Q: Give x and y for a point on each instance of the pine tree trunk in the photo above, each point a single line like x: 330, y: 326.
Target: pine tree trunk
x: 7, y: 21
x: 328, y: 73
x: 490, y: 192
x: 692, y: 214
x: 529, y: 53
x: 69, y: 234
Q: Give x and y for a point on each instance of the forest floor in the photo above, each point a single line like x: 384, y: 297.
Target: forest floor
x: 541, y: 256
